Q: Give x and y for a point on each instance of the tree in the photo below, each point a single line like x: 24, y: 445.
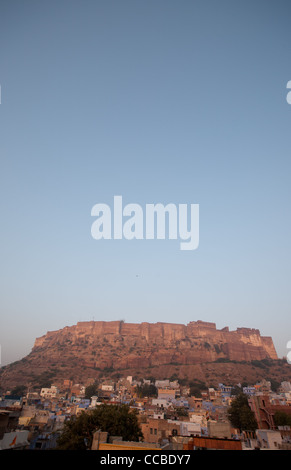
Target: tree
x: 196, y: 387
x: 117, y: 420
x: 91, y: 390
x: 146, y: 390
x: 236, y: 390
x: 282, y: 419
x: 240, y: 414
x: 274, y: 385
x: 19, y: 390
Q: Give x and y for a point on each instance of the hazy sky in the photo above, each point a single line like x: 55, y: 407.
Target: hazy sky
x: 157, y: 101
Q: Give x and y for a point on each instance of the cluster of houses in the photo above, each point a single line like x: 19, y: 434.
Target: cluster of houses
x: 170, y: 418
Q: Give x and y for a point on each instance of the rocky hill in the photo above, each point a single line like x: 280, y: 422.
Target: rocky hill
x: 196, y: 350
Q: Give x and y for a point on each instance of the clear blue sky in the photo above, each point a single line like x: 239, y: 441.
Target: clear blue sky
x: 157, y: 101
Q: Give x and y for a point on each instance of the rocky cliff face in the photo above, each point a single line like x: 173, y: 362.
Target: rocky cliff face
x: 92, y: 349
x: 122, y: 345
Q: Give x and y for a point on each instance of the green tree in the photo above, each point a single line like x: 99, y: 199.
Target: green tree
x: 240, y: 414
x: 196, y: 387
x: 117, y: 420
x: 91, y: 390
x: 275, y: 385
x: 282, y: 419
x: 19, y: 390
x: 236, y: 390
x: 146, y: 390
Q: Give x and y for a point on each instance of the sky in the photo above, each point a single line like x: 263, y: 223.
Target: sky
x: 158, y: 101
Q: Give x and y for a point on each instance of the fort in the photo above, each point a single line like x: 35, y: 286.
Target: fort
x: 163, y: 341
x: 197, y: 350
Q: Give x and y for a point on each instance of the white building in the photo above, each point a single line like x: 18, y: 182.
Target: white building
x: 268, y: 439
x: 286, y: 386
x: 107, y: 387
x: 14, y: 440
x: 161, y: 402
x: 189, y: 428
x: 51, y: 392
x: 94, y: 401
x: 249, y: 390
x: 167, y: 384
